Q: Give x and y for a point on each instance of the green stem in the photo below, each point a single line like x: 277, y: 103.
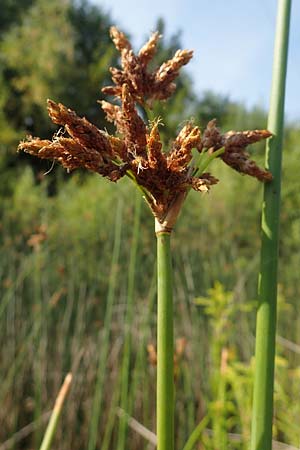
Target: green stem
x: 128, y: 322
x: 262, y: 415
x: 104, y: 342
x: 165, y: 345
x: 196, y: 435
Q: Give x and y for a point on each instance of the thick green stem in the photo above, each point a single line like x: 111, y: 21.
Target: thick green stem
x: 261, y: 438
x: 165, y: 345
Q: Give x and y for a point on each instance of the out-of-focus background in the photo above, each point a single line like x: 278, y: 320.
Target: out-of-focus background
x: 66, y: 239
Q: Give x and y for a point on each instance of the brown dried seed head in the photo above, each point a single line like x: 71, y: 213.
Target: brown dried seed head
x: 181, y: 154
x: 203, y: 183
x: 118, y: 147
x: 182, y: 135
x: 192, y: 139
x: 119, y: 39
x: 134, y: 128
x: 33, y: 145
x: 239, y: 160
x: 155, y: 156
x: 135, y: 74
x: 144, y: 87
x: 148, y: 51
x: 212, y: 137
x: 112, y: 90
x: 87, y: 157
x: 236, y: 157
x: 168, y: 71
x: 80, y: 129
x: 50, y: 150
x: 112, y: 112
x: 244, y: 138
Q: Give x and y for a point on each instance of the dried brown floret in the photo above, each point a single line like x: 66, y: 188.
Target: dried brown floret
x: 113, y: 112
x: 244, y: 138
x: 119, y: 39
x: 144, y: 86
x: 236, y: 157
x: 168, y: 71
x: 212, y: 137
x: 181, y: 153
x: 239, y: 160
x: 67, y: 152
x: 164, y: 177
x: 154, y: 146
x: 148, y: 50
x: 234, y: 144
x: 80, y: 129
x: 204, y: 182
x: 133, y: 127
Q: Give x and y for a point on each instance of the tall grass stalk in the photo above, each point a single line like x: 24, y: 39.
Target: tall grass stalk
x: 261, y: 438
x: 165, y: 345
x: 104, y: 342
x: 51, y: 428
x: 128, y: 320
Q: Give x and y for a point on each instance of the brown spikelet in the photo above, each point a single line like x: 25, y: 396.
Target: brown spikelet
x: 133, y: 127
x: 144, y: 86
x: 203, y: 183
x: 148, y: 50
x: 244, y: 138
x: 33, y: 145
x: 236, y: 157
x: 112, y: 90
x: 72, y: 155
x: 212, y: 137
x: 66, y: 151
x: 181, y: 153
x: 169, y: 70
x: 163, y: 85
x: 154, y: 146
x: 119, y: 39
x: 112, y: 112
x: 118, y: 147
x: 239, y: 160
x: 80, y: 129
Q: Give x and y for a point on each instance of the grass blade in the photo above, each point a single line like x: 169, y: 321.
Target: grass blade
x: 101, y: 371
x: 128, y: 321
x: 50, y: 431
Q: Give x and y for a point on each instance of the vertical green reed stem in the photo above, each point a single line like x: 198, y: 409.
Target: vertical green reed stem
x: 128, y: 321
x: 261, y: 438
x: 165, y: 345
x: 104, y: 342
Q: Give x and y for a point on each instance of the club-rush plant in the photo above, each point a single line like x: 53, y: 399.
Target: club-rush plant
x: 163, y: 175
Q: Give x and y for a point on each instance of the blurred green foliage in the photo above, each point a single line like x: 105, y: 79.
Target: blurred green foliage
x: 56, y: 243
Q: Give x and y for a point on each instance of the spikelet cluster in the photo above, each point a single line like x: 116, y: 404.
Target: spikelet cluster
x: 144, y: 86
x: 164, y: 175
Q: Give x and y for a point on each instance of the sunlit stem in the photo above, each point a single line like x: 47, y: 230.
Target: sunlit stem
x: 165, y: 345
x: 261, y: 438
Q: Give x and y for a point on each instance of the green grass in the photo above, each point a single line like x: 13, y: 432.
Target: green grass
x: 221, y: 243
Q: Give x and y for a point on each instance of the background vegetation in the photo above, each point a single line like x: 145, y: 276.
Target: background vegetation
x: 65, y: 238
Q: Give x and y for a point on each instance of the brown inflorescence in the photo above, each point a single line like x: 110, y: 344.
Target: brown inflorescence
x: 144, y: 86
x: 164, y: 176
x: 234, y: 144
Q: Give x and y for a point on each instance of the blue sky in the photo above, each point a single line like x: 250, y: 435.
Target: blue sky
x: 232, y: 42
